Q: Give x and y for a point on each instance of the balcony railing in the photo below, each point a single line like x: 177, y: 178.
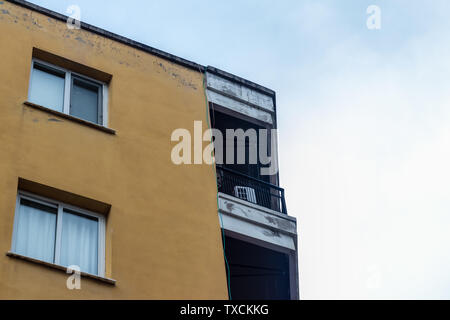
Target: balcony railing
x: 251, y: 189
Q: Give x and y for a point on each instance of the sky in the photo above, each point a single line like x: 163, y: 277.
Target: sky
x: 363, y: 117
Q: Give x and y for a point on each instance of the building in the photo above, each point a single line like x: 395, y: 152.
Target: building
x: 87, y: 180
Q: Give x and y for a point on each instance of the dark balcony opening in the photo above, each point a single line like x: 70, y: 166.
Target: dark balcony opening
x: 256, y: 273
x: 222, y: 121
x: 245, y: 181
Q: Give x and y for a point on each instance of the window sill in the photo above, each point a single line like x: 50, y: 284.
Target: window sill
x: 69, y: 117
x: 58, y: 267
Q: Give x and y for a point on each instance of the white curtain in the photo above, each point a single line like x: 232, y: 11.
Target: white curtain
x: 47, y: 89
x: 79, y: 243
x: 36, y: 231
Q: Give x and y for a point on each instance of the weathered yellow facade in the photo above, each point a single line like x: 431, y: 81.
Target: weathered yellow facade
x: 163, y: 237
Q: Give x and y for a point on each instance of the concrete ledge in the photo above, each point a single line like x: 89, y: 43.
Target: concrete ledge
x: 239, y: 92
x: 69, y: 117
x: 243, y: 81
x: 239, y: 107
x: 58, y: 267
x: 53, y: 193
x: 257, y: 222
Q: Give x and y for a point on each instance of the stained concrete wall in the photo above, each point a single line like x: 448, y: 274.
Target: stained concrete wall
x: 162, y: 234
x: 240, y: 98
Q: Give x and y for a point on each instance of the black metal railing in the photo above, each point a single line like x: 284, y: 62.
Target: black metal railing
x: 251, y: 189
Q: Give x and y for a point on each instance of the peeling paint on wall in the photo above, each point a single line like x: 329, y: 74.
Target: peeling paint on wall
x: 173, y: 74
x: 55, y: 120
x: 271, y: 233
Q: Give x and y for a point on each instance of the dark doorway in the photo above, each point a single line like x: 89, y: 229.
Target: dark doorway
x: 222, y: 122
x: 257, y: 273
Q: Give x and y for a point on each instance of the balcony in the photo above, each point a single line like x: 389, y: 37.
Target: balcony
x: 250, y: 189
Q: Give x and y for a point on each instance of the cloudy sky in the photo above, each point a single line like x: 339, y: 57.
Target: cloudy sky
x: 364, y: 121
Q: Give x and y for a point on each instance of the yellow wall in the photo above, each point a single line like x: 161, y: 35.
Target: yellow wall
x: 163, y: 235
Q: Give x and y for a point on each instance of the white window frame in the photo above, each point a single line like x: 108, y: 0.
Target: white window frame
x: 60, y: 206
x: 68, y: 88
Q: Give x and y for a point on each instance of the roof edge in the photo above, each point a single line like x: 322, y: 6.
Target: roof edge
x: 240, y: 80
x: 112, y: 36
x: 146, y: 48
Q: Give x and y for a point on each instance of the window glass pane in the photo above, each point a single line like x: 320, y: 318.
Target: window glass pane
x: 79, y: 243
x: 85, y: 100
x: 47, y: 88
x: 36, y: 231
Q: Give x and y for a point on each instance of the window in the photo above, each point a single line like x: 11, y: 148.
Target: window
x: 68, y: 92
x: 47, y: 87
x: 57, y: 233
